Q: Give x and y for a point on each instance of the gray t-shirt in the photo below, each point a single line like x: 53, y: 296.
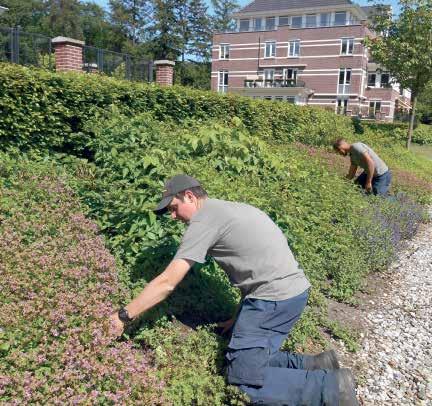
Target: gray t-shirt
x: 248, y: 246
x: 356, y: 153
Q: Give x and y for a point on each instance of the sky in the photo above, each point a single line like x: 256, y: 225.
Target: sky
x: 394, y: 3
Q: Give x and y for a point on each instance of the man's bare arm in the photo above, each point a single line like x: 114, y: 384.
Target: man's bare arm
x: 160, y: 287
x: 154, y: 292
x: 370, y: 170
x: 352, y: 172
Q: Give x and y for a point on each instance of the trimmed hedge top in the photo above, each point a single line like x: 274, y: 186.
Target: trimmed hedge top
x: 48, y: 109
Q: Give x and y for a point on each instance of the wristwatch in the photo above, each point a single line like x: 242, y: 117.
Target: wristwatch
x: 123, y: 315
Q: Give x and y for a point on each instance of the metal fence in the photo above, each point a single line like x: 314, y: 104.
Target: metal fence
x: 26, y: 48
x: 17, y: 46
x: 122, y: 66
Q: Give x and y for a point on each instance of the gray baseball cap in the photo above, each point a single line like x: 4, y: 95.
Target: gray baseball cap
x: 172, y: 186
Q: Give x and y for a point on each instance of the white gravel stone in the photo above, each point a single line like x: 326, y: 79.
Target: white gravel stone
x: 398, y: 346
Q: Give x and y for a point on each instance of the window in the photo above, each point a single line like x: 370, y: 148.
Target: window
x: 401, y: 90
x: 342, y: 105
x: 371, y: 79
x: 290, y: 75
x: 374, y: 107
x: 269, y: 74
x: 258, y: 24
x: 344, y: 80
x: 340, y: 18
x: 347, y: 46
x: 294, y: 48
x: 325, y: 19
x: 284, y: 20
x: 224, y: 51
x: 270, y: 23
x: 311, y: 20
x: 385, y: 80
x: 244, y: 25
x: 270, y: 49
x: 296, y: 21
x: 279, y: 98
x: 290, y: 99
x: 223, y: 81
x: 267, y: 97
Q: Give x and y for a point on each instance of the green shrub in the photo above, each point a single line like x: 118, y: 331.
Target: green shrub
x: 49, y: 110
x: 59, y: 283
x: 423, y: 134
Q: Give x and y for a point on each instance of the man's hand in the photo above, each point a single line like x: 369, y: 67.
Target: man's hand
x: 226, y: 325
x: 368, y: 187
x: 116, y: 326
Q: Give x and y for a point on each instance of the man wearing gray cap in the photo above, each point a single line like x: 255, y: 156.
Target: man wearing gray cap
x: 255, y: 254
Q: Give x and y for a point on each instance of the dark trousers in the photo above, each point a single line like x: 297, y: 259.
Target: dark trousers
x: 380, y: 184
x: 266, y: 374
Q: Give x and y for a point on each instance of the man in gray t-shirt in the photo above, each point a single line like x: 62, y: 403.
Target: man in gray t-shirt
x: 254, y: 253
x: 376, y: 176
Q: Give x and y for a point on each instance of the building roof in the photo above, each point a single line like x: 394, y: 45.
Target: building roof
x: 274, y: 5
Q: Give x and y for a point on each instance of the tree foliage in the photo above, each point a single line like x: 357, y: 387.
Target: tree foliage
x: 151, y: 29
x: 404, y: 48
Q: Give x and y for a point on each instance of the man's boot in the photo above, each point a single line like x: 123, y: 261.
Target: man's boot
x: 347, y: 394
x: 325, y: 360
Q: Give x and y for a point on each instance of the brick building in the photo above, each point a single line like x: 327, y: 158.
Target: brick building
x: 306, y: 52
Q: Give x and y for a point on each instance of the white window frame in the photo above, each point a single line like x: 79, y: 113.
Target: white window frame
x: 306, y: 22
x: 287, y: 21
x: 270, y: 49
x: 375, y: 81
x: 301, y: 24
x: 248, y: 27
x: 224, y: 51
x: 269, y: 74
x: 267, y: 26
x: 255, y: 26
x: 342, y: 102
x: 328, y: 20
x: 294, y: 73
x: 388, y: 84
x: 222, y: 86
x: 349, y: 46
x: 292, y: 45
x: 374, y: 102
x: 345, y: 86
x: 340, y: 12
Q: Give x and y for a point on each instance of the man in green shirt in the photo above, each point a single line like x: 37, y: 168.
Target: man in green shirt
x: 376, y: 176
x: 254, y: 253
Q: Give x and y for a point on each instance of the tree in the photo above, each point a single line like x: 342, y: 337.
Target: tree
x: 97, y: 31
x: 166, y: 41
x: 222, y: 14
x: 26, y: 14
x: 405, y: 48
x: 132, y: 18
x: 424, y: 106
x: 200, y: 28
x: 63, y: 18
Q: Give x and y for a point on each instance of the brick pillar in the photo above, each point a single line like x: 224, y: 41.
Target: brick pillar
x: 68, y: 54
x: 164, y: 72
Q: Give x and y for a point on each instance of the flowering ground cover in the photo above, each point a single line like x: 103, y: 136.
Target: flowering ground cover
x: 58, y: 286
x: 79, y: 177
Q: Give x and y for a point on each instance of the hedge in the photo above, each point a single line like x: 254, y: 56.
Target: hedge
x: 46, y: 109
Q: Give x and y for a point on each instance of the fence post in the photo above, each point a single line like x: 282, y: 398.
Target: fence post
x: 15, y: 32
x: 68, y: 54
x: 164, y: 72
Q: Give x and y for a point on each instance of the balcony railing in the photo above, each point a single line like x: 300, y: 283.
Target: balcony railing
x: 273, y: 83
x: 263, y: 27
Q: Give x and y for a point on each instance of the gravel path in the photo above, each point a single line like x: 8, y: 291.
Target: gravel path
x: 396, y: 354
